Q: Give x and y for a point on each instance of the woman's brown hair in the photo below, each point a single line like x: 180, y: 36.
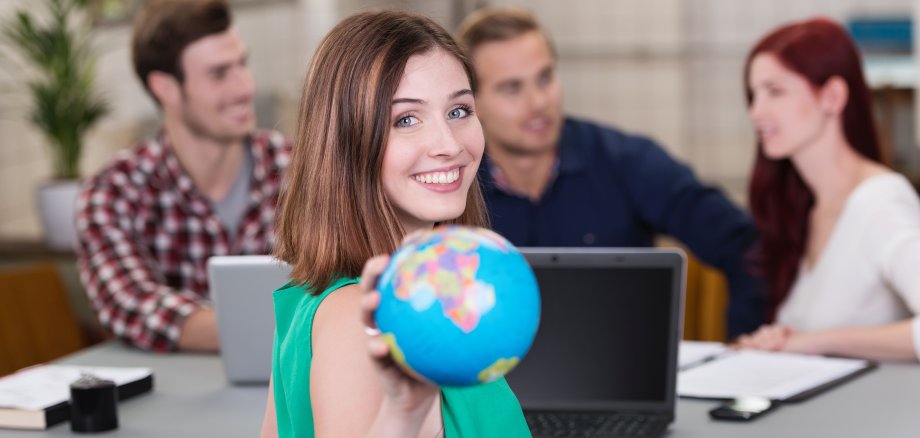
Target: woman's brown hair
x: 334, y: 213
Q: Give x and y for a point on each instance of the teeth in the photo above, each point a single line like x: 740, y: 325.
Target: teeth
x: 438, y: 177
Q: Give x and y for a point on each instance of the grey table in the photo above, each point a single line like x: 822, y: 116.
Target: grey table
x: 192, y: 399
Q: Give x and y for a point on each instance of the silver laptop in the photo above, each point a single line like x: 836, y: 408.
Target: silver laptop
x: 241, y: 289
x: 604, y: 361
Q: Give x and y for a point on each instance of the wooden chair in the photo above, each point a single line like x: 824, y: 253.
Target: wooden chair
x: 706, y: 298
x: 705, y: 302
x: 37, y: 322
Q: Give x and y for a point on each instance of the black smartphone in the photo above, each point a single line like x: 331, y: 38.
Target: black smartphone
x: 743, y: 409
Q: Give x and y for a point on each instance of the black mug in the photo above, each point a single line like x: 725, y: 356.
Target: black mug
x: 93, y: 405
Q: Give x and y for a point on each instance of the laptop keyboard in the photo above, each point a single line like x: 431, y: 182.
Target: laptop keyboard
x: 559, y: 424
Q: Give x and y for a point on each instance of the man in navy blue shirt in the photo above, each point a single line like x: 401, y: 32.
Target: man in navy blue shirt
x: 551, y: 180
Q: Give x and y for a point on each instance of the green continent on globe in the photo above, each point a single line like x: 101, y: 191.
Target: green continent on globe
x: 446, y: 271
x: 497, y: 369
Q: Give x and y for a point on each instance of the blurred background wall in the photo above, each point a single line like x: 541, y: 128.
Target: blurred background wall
x: 670, y: 69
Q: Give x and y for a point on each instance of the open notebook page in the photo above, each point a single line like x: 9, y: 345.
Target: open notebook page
x: 41, y: 386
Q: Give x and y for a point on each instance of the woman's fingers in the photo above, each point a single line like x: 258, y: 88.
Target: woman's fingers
x: 397, y: 385
x: 369, y: 303
x: 377, y: 348
x: 768, y: 337
x: 372, y: 270
x: 779, y: 337
x: 771, y: 339
x: 754, y: 340
x: 369, y: 275
x: 743, y: 341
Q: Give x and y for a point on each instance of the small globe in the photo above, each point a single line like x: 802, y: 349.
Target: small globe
x: 459, y: 306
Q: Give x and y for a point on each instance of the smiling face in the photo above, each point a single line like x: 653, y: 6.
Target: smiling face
x: 785, y: 108
x: 218, y: 88
x: 435, y: 142
x: 519, y: 97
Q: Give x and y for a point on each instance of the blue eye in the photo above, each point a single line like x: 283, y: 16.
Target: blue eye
x: 406, y: 121
x: 458, y: 113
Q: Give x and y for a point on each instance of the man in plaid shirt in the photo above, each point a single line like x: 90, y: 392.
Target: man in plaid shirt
x: 206, y: 185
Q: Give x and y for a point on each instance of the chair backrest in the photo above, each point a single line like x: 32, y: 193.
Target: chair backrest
x: 705, y: 303
x: 705, y: 300
x: 37, y: 322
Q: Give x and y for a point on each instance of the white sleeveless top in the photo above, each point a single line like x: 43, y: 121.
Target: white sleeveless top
x: 869, y: 271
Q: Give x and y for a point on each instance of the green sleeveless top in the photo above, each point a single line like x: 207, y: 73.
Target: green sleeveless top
x: 489, y: 410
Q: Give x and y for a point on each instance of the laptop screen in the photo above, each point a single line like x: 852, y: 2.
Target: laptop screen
x: 605, y: 339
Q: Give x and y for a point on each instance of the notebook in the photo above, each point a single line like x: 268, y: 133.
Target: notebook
x: 38, y: 397
x: 604, y: 361
x: 241, y: 289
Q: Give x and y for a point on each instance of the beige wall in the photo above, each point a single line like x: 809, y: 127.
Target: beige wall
x: 671, y: 69
x: 666, y: 68
x: 720, y: 34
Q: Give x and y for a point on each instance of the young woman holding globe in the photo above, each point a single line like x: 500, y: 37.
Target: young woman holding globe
x: 387, y: 145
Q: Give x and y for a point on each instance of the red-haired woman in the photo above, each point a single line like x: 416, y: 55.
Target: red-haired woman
x: 840, y: 230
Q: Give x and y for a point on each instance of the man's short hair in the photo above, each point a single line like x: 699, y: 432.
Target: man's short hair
x: 164, y: 28
x: 491, y: 24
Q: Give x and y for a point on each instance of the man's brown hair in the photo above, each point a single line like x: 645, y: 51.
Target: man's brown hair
x: 164, y: 28
x: 500, y: 23
x: 334, y: 212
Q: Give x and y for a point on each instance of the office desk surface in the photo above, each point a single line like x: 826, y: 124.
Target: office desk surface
x: 191, y: 398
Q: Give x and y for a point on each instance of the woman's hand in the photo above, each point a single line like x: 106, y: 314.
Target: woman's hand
x: 403, y: 393
x: 767, y: 337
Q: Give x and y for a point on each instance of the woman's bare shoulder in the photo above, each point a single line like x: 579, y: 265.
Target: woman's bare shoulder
x: 339, y: 310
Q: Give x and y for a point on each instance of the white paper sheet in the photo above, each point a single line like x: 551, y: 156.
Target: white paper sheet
x: 692, y: 353
x: 776, y: 376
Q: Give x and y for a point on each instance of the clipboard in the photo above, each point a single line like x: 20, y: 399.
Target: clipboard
x: 805, y: 395
x: 781, y: 377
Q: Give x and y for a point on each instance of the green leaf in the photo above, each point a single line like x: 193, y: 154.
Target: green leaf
x: 64, y: 104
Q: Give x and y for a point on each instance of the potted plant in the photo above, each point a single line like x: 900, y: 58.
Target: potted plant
x: 57, y: 48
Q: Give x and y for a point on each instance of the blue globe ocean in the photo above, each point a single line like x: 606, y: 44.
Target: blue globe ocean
x: 459, y: 306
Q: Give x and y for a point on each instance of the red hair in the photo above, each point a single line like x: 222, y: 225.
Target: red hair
x: 817, y: 49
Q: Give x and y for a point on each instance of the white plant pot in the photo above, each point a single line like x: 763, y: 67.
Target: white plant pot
x: 57, y: 203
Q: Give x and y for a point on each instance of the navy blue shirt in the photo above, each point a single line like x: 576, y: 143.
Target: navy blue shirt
x: 615, y: 189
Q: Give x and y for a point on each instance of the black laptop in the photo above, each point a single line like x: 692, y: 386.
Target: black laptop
x: 604, y: 361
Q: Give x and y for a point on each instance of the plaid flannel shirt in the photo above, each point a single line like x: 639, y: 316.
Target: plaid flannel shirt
x: 146, y: 233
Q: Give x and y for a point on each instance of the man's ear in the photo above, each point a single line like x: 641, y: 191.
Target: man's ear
x: 165, y: 87
x: 834, y: 95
